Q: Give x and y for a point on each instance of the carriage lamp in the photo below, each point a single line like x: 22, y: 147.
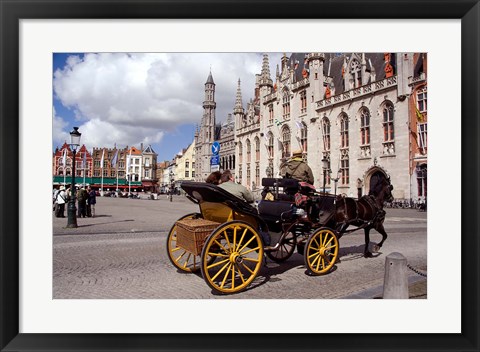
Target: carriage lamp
x: 72, y: 210
x: 325, y: 165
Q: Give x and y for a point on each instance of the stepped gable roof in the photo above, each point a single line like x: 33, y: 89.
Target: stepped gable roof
x: 378, y: 63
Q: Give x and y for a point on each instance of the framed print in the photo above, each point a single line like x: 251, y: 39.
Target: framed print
x: 33, y: 318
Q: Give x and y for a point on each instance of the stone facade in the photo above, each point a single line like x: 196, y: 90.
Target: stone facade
x: 351, y: 113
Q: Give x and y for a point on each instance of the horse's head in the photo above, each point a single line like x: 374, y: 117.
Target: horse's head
x: 387, y: 191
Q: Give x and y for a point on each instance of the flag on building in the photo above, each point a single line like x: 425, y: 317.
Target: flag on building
x: 64, y: 159
x: 114, y: 159
x: 84, y: 161
x: 420, y: 117
x: 129, y: 157
x: 103, y: 157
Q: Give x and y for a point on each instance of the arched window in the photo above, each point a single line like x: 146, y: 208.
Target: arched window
x: 422, y: 180
x: 303, y: 102
x: 303, y: 137
x: 422, y: 99
x: 326, y: 133
x: 388, y: 128
x: 286, y: 141
x: 249, y: 151
x: 344, y: 131
x: 257, y: 149
x: 286, y: 104
x: 240, y: 152
x: 364, y: 126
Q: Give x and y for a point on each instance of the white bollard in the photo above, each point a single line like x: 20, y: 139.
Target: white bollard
x: 395, y: 285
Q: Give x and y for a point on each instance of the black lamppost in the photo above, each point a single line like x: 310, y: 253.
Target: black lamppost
x: 171, y: 184
x: 72, y: 210
x: 325, y: 165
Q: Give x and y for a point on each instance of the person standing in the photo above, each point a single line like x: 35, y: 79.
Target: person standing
x: 91, y: 201
x: 60, y: 199
x: 82, y: 196
x: 240, y: 191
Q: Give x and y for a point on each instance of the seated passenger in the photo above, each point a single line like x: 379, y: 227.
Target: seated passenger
x: 214, y: 178
x: 227, y: 183
x: 297, y: 169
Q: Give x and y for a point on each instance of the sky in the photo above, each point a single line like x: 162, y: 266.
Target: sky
x: 126, y: 99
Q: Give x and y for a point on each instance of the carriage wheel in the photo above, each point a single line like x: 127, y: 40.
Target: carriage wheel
x: 321, y: 251
x: 238, y: 250
x: 181, y: 258
x: 286, y: 249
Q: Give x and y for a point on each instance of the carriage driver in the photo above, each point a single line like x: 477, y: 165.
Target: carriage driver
x: 297, y: 169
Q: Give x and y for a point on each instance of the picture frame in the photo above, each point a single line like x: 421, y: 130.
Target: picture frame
x: 11, y: 339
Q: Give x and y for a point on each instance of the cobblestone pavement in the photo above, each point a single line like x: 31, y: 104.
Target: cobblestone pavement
x: 121, y: 254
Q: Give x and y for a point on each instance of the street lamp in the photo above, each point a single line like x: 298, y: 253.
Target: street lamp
x: 336, y: 180
x: 72, y: 210
x: 325, y: 165
x: 171, y: 184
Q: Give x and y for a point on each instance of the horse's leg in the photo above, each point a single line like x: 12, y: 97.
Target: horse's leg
x: 381, y: 230
x: 366, y: 252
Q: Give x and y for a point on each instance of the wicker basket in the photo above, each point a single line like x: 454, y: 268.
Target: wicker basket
x: 191, y: 233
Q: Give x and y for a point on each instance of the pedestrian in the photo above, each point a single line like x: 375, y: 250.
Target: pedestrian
x: 60, y: 199
x: 91, y: 201
x: 238, y: 190
x: 214, y: 178
x: 55, y: 193
x: 297, y: 169
x: 82, y: 196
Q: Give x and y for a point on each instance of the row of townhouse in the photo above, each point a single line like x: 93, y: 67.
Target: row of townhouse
x: 114, y: 168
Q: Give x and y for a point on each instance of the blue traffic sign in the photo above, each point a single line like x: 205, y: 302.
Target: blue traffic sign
x: 215, y: 148
x: 215, y: 160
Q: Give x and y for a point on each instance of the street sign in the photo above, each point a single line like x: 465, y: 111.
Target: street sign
x: 215, y: 148
x: 215, y: 160
x: 214, y: 168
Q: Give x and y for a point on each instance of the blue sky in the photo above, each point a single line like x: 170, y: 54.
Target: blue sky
x: 151, y: 98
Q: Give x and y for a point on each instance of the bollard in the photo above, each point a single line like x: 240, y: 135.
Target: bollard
x: 395, y: 283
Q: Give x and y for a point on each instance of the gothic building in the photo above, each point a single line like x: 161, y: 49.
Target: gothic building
x: 208, y: 132
x: 349, y: 112
x: 356, y: 117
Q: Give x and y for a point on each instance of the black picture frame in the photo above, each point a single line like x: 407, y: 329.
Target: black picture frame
x: 12, y: 11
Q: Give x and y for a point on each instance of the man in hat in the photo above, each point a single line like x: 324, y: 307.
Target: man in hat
x: 297, y: 169
x: 61, y: 199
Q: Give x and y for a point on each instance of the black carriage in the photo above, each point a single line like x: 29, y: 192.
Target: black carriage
x: 227, y: 239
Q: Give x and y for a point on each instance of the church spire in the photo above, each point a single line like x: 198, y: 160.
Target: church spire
x: 265, y: 79
x: 238, y: 100
x: 210, y: 78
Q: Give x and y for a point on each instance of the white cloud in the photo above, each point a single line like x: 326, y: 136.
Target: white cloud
x: 133, y: 98
x: 59, y: 134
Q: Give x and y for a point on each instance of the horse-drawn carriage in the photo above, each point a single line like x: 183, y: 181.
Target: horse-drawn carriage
x: 228, y: 238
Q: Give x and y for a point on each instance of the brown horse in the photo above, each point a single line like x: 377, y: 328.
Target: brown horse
x: 366, y: 212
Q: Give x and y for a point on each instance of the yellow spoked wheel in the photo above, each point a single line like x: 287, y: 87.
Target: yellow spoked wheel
x: 321, y: 251
x: 181, y: 258
x: 238, y: 250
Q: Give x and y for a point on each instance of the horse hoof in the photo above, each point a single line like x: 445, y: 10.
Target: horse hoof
x: 368, y: 255
x: 376, y: 248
